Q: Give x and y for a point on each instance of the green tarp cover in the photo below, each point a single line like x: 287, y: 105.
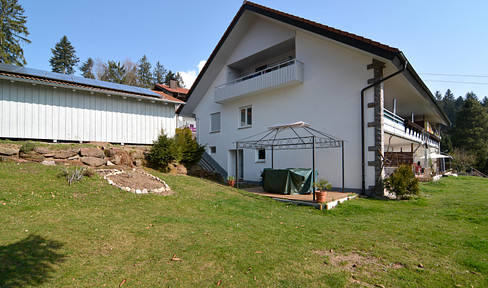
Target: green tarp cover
x: 288, y: 181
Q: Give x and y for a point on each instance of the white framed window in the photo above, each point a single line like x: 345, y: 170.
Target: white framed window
x: 245, y: 114
x: 215, y: 122
x: 260, y: 155
x: 213, y: 149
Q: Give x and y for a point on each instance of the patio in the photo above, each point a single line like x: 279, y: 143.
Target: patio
x: 333, y: 198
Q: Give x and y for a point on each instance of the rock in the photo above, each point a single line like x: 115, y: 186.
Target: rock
x: 48, y: 155
x: 48, y: 163
x: 110, y: 163
x: 144, y: 191
x: 8, y: 151
x: 64, y: 154
x: 420, y: 265
x: 138, y: 191
x: 76, y: 157
x: 43, y: 150
x: 138, y: 162
x: 32, y: 156
x: 117, y: 159
x: 137, y: 154
x: 92, y: 152
x: 93, y: 161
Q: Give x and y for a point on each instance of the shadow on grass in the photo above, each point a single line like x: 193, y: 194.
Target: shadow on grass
x: 29, y: 261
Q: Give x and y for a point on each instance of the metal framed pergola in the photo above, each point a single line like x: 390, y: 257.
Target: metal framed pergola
x: 293, y: 136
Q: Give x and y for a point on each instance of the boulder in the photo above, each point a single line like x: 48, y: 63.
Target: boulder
x: 64, y: 154
x: 32, y: 156
x: 92, y: 152
x: 93, y: 161
x: 137, y: 154
x: 117, y: 159
x: 138, y: 162
x: 8, y: 151
x: 43, y: 150
x: 48, y: 163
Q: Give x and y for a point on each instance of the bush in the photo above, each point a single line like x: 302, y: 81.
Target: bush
x: 190, y: 150
x: 27, y: 147
x: 163, y: 152
x: 403, y: 183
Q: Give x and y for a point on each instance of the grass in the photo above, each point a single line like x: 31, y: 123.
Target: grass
x: 92, y: 235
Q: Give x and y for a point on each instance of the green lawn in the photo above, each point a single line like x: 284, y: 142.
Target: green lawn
x: 93, y: 235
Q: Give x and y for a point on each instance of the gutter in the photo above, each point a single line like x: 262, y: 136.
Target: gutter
x: 363, y: 156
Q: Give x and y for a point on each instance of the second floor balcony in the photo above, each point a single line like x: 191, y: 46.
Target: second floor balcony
x: 276, y: 76
x: 406, y: 129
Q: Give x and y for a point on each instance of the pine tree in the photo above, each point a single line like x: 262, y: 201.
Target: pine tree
x: 471, y: 130
x: 87, y: 69
x: 144, y: 73
x: 114, y: 72
x: 159, y: 73
x: 64, y: 57
x: 12, y: 32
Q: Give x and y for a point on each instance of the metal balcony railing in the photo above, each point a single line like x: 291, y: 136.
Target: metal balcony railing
x: 279, y: 75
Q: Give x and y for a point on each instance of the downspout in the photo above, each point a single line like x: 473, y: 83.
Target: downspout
x: 363, y: 160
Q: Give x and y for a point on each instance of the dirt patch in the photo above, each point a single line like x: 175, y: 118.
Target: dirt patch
x: 135, y: 180
x: 354, y: 260
x: 358, y: 265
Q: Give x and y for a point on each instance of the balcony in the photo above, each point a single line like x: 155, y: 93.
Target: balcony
x: 406, y: 129
x: 280, y: 75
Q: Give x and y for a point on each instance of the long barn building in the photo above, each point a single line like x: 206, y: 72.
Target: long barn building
x: 43, y: 105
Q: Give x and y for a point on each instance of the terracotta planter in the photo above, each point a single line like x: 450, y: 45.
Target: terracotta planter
x: 320, y: 196
x: 231, y: 183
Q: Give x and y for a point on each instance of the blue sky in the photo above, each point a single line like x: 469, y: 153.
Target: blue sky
x: 438, y: 37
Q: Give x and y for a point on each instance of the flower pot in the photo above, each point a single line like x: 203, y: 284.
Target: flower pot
x: 231, y: 183
x: 320, y: 196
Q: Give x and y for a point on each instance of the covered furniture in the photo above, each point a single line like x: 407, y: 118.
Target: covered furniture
x: 288, y: 181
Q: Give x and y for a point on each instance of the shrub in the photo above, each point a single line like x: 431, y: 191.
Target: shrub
x: 190, y: 150
x: 27, y: 147
x: 403, y: 183
x: 163, y: 152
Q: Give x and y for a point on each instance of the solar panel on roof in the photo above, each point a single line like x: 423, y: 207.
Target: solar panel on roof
x: 59, y: 76
x: 76, y: 80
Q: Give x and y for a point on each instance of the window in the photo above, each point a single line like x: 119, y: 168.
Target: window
x: 215, y: 122
x: 260, y: 155
x: 246, y: 116
x: 213, y: 149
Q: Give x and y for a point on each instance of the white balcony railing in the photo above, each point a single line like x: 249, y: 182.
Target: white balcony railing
x: 395, y: 125
x: 280, y: 75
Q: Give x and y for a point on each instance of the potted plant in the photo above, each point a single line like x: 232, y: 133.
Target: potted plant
x: 322, y: 186
x: 231, y: 180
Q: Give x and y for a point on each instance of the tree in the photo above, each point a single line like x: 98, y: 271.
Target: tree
x: 12, y: 32
x: 130, y: 73
x: 176, y: 77
x: 144, y: 73
x: 438, y: 96
x: 64, y: 57
x: 87, y: 69
x: 471, y: 131
x: 484, y: 102
x: 114, y: 72
x: 159, y: 73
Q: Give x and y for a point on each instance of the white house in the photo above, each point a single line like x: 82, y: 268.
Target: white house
x: 271, y: 67
x: 43, y: 105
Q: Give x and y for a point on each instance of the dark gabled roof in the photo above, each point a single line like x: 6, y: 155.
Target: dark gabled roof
x: 350, y: 39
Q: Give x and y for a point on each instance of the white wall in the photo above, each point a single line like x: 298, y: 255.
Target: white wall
x: 329, y: 99
x: 42, y: 112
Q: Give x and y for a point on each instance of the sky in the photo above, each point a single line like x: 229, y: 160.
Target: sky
x: 445, y: 41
